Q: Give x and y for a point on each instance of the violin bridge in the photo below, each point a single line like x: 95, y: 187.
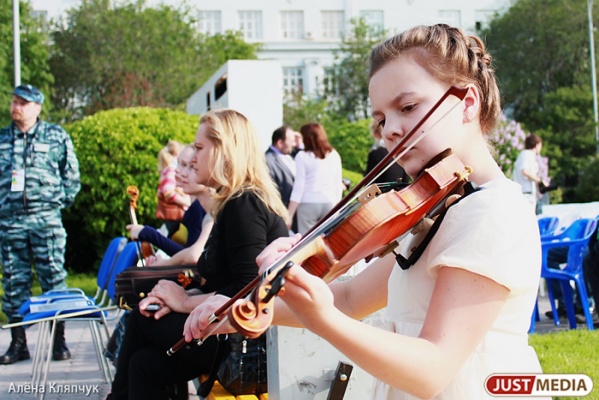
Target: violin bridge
x: 370, y: 193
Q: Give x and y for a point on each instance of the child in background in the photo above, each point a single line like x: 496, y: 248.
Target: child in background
x: 167, y: 185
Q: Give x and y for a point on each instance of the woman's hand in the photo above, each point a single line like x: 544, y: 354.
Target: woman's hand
x: 134, y: 230
x: 275, y: 250
x: 154, y: 260
x: 155, y: 314
x: 198, y: 320
x: 169, y: 295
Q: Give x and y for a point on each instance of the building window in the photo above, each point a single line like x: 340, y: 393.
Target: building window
x: 332, y: 24
x: 250, y: 23
x: 374, y: 19
x: 292, y: 24
x: 330, y: 83
x: 293, y: 80
x: 209, y: 22
x: 451, y: 18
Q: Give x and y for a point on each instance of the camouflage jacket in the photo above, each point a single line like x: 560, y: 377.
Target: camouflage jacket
x: 51, y: 170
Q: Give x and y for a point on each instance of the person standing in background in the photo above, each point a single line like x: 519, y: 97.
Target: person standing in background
x: 377, y: 152
x: 318, y: 180
x: 526, y: 169
x: 39, y: 176
x: 280, y: 162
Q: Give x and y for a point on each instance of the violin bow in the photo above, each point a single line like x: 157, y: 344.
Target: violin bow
x: 219, y: 316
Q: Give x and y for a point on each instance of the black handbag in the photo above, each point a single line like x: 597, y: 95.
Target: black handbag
x: 239, y: 366
x: 133, y: 284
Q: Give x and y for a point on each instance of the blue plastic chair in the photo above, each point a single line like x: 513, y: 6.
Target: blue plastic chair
x: 127, y: 258
x: 573, y: 231
x: 106, y: 266
x: 547, y: 225
x: 534, y: 318
x: 576, y: 239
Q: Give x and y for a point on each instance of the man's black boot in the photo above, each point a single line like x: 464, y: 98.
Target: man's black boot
x: 17, y: 350
x: 60, y: 351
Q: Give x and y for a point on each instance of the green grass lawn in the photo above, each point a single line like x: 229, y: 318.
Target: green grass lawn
x: 569, y: 351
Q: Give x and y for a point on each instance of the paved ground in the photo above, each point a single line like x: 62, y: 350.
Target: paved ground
x: 81, y: 374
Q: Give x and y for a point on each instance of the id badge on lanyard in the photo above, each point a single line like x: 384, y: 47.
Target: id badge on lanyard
x: 18, y: 180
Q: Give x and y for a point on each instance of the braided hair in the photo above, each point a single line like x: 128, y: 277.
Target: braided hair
x: 450, y: 56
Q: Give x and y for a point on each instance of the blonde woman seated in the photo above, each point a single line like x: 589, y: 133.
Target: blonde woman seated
x: 248, y: 215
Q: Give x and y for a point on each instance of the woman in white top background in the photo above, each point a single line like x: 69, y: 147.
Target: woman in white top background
x: 318, y: 182
x: 526, y: 169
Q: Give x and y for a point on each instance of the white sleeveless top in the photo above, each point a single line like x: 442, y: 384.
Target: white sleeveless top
x: 494, y: 233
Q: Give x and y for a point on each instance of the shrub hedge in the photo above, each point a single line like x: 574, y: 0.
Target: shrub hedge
x: 352, y: 140
x: 117, y: 148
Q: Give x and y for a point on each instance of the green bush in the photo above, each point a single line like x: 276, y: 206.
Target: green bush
x: 117, y: 148
x: 352, y: 140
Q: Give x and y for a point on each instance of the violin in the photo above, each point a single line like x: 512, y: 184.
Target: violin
x: 364, y: 222
x: 144, y: 249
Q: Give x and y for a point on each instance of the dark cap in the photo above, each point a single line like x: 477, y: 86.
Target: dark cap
x: 29, y: 93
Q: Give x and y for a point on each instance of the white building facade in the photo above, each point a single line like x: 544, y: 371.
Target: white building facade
x: 303, y: 35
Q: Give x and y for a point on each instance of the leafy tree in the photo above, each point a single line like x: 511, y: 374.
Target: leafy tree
x: 34, y: 56
x: 539, y: 46
x: 124, y: 55
x: 117, y: 148
x: 215, y: 50
x: 568, y: 135
x: 350, y: 93
x: 301, y: 110
x: 587, y: 189
x: 541, y: 50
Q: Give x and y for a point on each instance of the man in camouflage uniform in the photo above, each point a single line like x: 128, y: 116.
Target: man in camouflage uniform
x: 39, y: 176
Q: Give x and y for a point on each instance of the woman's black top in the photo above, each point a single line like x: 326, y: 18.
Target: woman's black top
x: 242, y: 229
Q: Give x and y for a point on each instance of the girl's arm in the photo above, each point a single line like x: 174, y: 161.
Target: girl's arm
x: 462, y: 310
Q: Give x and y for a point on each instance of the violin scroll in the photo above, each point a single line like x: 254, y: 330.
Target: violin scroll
x: 144, y: 249
x: 252, y: 316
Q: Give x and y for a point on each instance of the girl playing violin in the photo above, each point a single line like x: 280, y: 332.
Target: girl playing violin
x: 463, y: 310
x: 248, y: 215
